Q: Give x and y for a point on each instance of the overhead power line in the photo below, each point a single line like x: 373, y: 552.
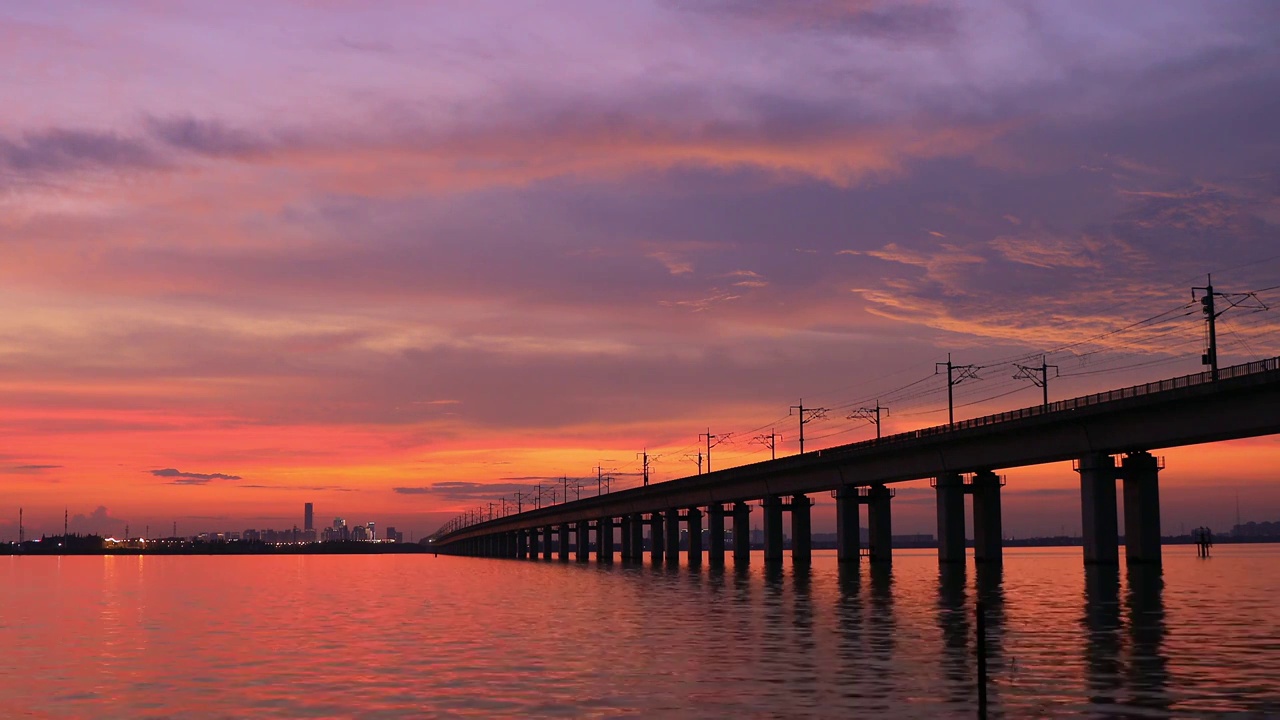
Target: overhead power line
x: 807, y: 415
x: 871, y: 415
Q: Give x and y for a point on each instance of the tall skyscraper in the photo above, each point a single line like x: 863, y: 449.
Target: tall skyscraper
x: 308, y: 515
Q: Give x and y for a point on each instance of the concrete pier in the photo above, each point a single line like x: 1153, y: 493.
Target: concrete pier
x: 880, y: 524
x: 694, y: 523
x: 988, y: 531
x: 801, y: 534
x: 673, y: 536
x: 604, y: 540
x: 1098, y: 509
x: 657, y: 537
x: 637, y: 537
x: 950, y: 489
x: 1141, y: 473
x: 625, y: 523
x: 584, y: 541
x: 741, y: 534
x: 546, y: 543
x: 715, y: 533
x: 772, y: 529
x: 848, y: 525
x: 533, y: 543
x: 564, y: 541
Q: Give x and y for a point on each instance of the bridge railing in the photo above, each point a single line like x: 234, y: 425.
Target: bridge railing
x: 1201, y: 378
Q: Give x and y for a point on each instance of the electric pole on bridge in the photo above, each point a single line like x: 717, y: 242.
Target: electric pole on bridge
x: 807, y: 415
x: 603, y: 482
x: 871, y: 415
x: 966, y: 372
x: 644, y: 456
x: 1211, y: 315
x: 709, y: 446
x: 770, y: 441
x: 697, y: 458
x: 1039, y: 376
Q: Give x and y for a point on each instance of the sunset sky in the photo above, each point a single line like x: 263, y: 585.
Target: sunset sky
x: 403, y: 259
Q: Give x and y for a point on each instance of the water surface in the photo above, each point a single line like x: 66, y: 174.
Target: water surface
x: 421, y: 636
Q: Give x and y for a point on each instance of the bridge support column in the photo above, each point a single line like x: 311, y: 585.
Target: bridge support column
x: 584, y: 541
x: 801, y: 535
x: 657, y: 537
x: 637, y: 537
x: 604, y: 540
x: 694, y: 523
x: 532, y: 533
x: 1098, y: 509
x: 564, y: 541
x: 772, y: 529
x: 546, y: 543
x: 880, y: 524
x: 741, y: 534
x: 848, y: 525
x: 715, y: 524
x: 673, y: 536
x: 522, y: 544
x: 625, y: 536
x: 950, y: 488
x: 1141, y: 473
x: 988, y: 529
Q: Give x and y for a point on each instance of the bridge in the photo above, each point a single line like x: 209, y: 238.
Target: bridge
x: 1109, y: 436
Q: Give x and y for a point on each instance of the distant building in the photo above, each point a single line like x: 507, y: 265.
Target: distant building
x: 359, y: 533
x: 371, y: 533
x: 1256, y: 529
x: 308, y: 517
x: 394, y: 536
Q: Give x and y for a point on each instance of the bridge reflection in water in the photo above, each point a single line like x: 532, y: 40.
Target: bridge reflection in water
x: 899, y: 640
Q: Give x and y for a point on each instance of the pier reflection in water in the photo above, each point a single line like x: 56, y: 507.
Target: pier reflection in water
x: 487, y: 638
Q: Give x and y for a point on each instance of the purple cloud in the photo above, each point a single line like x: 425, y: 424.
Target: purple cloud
x: 190, y: 478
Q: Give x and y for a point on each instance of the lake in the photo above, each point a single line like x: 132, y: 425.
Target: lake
x: 392, y: 636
